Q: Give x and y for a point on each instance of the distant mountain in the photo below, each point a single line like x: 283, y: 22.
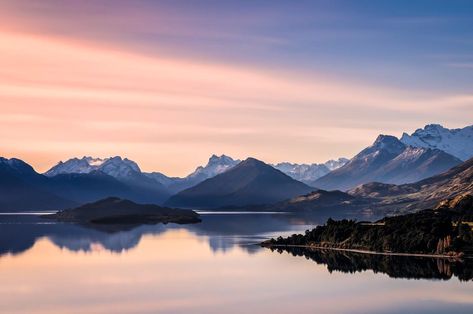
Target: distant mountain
x: 250, y: 182
x: 215, y: 166
x: 303, y: 172
x: 388, y: 160
x: 456, y: 142
x: 452, y: 189
x: 88, y: 179
x: 335, y: 164
x: 113, y: 166
x: 308, y: 173
x: 23, y: 189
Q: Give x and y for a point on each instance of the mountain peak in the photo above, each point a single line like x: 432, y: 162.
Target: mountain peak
x: 434, y: 126
x: 115, y: 166
x: 383, y: 139
x: 251, y: 182
x: 215, y: 165
x: 18, y: 165
x: 456, y: 142
x: 252, y: 161
x: 222, y: 159
x: 389, y: 143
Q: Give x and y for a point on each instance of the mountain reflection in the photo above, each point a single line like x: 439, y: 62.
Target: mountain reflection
x: 393, y: 266
x: 222, y: 232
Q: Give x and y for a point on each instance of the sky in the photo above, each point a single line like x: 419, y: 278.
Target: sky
x: 168, y: 83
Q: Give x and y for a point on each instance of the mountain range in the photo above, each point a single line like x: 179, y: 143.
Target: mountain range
x: 389, y: 166
x: 308, y: 173
x: 387, y: 160
x: 381, y: 199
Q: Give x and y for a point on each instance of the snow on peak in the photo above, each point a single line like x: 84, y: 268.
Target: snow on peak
x: 216, y: 165
x: 114, y: 166
x: 335, y: 164
x: 383, y: 143
x: 456, y: 142
x: 308, y: 173
x: 387, y: 141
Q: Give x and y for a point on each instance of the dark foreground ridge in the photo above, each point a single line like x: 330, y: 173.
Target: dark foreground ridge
x: 444, y: 231
x: 119, y: 211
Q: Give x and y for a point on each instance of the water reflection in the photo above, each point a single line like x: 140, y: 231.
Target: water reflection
x: 19, y: 233
x: 222, y: 233
x: 206, y: 268
x: 393, y: 266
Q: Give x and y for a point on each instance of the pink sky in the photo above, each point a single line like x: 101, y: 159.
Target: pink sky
x: 62, y: 97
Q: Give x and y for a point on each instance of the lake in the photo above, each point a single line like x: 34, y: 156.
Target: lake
x: 211, y: 267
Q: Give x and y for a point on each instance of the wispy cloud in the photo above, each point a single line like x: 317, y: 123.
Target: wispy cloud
x: 71, y: 98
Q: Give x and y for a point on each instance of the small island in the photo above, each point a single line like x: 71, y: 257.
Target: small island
x: 442, y: 232
x: 114, y: 210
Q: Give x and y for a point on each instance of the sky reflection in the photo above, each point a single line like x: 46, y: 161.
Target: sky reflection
x: 182, y: 269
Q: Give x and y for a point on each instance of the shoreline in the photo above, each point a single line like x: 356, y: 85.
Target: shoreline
x: 366, y: 251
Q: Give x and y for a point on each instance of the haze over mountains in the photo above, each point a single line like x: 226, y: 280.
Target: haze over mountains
x: 224, y: 181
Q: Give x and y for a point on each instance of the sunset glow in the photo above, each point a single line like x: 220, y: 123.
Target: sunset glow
x: 62, y: 97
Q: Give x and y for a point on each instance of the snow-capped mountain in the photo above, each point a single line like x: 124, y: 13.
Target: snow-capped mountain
x: 216, y: 165
x: 335, y: 164
x: 89, y: 179
x: 388, y: 160
x: 113, y: 166
x: 456, y: 142
x: 309, y: 172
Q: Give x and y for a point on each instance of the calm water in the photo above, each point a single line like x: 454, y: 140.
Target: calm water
x: 212, y: 267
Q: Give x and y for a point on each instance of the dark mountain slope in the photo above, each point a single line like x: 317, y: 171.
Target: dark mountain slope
x: 23, y: 189
x: 248, y: 183
x: 89, y: 187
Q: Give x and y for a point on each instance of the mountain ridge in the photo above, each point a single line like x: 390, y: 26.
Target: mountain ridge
x: 387, y: 160
x: 251, y: 182
x: 456, y: 142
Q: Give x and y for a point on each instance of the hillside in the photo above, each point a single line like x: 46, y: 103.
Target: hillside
x: 251, y: 182
x: 443, y: 231
x: 23, y: 189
